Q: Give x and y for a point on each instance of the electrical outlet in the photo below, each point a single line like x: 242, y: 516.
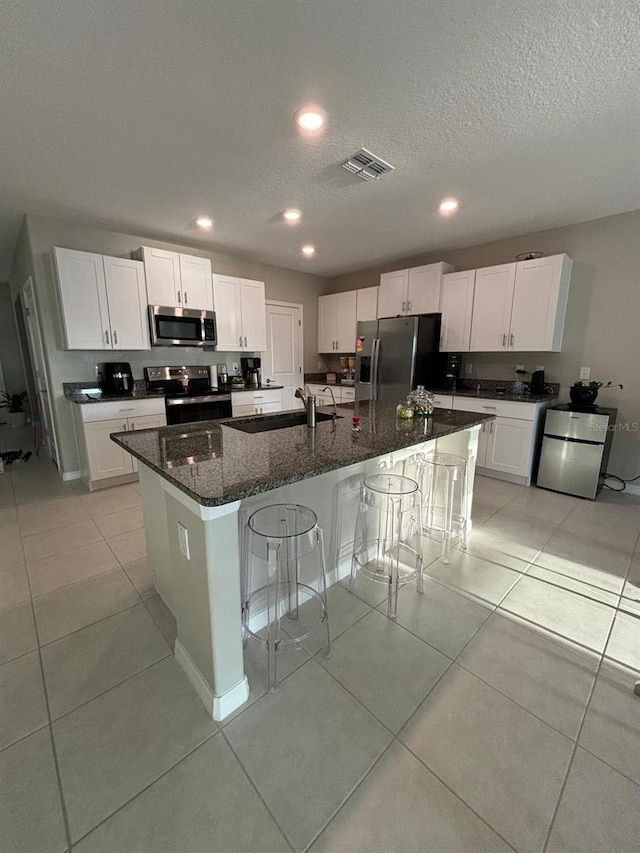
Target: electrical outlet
x: 183, y: 541
x: 585, y: 373
x: 234, y: 366
x: 519, y: 366
x: 539, y: 366
x: 468, y: 368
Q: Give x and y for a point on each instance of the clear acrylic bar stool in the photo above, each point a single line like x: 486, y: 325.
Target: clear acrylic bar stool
x: 278, y: 579
x: 387, y: 546
x: 443, y: 481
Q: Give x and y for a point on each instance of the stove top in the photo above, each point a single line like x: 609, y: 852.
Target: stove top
x: 170, y: 381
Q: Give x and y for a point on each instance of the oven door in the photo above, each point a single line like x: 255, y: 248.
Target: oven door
x: 187, y: 410
x: 181, y: 327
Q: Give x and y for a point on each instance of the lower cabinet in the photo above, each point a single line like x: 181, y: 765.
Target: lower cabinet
x: 255, y: 402
x: 507, y: 446
x: 342, y: 394
x: 102, y: 460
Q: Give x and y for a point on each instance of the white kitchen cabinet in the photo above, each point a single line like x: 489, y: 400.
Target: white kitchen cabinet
x: 102, y: 300
x: 457, y: 307
x: 337, y: 322
x: 412, y: 291
x: 240, y: 309
x: 521, y: 307
x: 102, y: 460
x: 509, y: 446
x: 367, y: 304
x: 492, y: 302
x: 177, y: 280
x: 261, y: 402
x: 342, y: 394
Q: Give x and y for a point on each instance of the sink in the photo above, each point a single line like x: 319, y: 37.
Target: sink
x: 289, y: 419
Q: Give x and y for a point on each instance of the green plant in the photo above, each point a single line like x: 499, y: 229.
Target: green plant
x: 13, y: 402
x: 595, y: 385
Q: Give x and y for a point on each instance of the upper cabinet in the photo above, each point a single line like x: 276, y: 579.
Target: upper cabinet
x: 241, y: 323
x: 177, y: 280
x: 103, y: 301
x: 411, y: 291
x: 456, y: 305
x: 521, y: 307
x: 337, y: 322
x: 367, y: 303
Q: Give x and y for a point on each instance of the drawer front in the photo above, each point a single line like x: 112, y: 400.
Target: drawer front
x: 442, y: 401
x: 119, y: 410
x: 239, y: 411
x: 348, y: 394
x: 244, y: 398
x: 500, y: 408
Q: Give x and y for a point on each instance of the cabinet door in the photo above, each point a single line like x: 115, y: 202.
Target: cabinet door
x: 145, y: 422
x: 127, y: 299
x: 392, y: 294
x: 367, y: 304
x: 254, y: 318
x: 509, y: 445
x: 492, y: 302
x: 346, y: 321
x: 423, y: 295
x: 195, y: 281
x: 457, y: 305
x: 539, y: 305
x: 326, y: 324
x: 226, y: 303
x: 162, y: 270
x: 83, y: 299
x: 106, y: 458
x: 483, y: 439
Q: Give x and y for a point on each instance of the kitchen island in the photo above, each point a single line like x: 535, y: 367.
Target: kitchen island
x: 200, y: 482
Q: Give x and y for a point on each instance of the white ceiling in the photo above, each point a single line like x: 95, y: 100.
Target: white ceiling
x: 138, y: 115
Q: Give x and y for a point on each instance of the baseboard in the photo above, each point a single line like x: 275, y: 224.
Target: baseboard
x: 633, y: 489
x: 502, y: 475
x: 219, y: 707
x: 71, y: 475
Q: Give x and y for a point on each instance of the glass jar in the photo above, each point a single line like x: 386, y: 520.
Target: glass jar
x: 422, y: 401
x: 405, y: 410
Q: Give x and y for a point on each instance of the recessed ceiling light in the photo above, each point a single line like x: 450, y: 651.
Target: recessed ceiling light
x: 310, y: 118
x: 308, y: 250
x: 448, y: 206
x: 204, y: 222
x: 291, y: 215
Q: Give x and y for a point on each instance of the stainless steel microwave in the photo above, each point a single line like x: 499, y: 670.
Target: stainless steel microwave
x: 181, y: 327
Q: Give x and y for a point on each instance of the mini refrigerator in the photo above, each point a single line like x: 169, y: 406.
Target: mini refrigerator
x: 575, y: 450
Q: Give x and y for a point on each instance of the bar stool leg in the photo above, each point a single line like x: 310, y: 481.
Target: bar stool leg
x: 446, y: 533
x: 273, y: 614
x: 466, y: 519
x: 293, y: 570
x: 416, y: 521
x: 357, y: 536
x: 395, y: 520
x: 245, y: 578
x: 323, y: 590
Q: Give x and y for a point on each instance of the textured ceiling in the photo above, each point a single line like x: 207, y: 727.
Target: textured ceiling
x: 138, y: 115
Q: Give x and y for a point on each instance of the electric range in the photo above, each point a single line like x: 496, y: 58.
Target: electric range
x: 189, y: 396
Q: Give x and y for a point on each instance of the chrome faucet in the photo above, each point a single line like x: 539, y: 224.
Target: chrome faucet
x: 309, y: 402
x: 333, y: 399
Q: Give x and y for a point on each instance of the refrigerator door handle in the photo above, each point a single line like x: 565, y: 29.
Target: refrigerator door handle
x: 375, y: 358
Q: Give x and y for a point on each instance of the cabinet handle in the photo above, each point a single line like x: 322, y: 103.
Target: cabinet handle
x: 185, y: 298
x: 179, y: 299
x: 115, y: 337
x: 240, y: 339
x: 245, y: 341
x: 504, y: 340
x: 441, y: 341
x: 124, y: 427
x: 408, y: 306
x: 489, y: 407
x: 133, y: 426
x: 403, y: 305
x: 491, y: 426
x: 512, y: 339
x: 106, y: 337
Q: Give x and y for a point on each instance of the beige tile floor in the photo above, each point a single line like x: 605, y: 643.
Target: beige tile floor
x: 496, y: 714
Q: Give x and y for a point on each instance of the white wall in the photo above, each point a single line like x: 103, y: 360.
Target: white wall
x: 603, y: 315
x: 10, y: 358
x: 40, y: 234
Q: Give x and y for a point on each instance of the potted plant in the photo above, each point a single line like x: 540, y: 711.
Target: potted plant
x: 14, y: 404
x: 585, y: 393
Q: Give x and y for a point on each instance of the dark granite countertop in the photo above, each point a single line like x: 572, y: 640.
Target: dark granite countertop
x: 235, y: 389
x: 489, y: 394
x: 214, y: 464
x: 91, y: 396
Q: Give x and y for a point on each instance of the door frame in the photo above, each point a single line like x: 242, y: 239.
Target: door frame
x: 280, y: 303
x: 34, y: 340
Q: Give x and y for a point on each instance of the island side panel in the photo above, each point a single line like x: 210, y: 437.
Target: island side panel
x: 157, y: 534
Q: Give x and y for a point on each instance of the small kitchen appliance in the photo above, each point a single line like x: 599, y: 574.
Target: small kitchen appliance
x: 251, y: 371
x: 575, y: 450
x: 213, y: 377
x: 181, y: 327
x: 195, y: 403
x: 452, y: 371
x: 537, y: 382
x: 117, y: 378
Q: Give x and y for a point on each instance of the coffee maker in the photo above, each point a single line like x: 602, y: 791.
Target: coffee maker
x: 452, y: 371
x: 251, y: 372
x: 117, y: 378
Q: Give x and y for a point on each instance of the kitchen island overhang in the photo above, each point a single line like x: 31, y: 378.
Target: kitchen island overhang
x: 200, y: 482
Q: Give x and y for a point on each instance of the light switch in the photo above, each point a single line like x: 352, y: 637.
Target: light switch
x: 585, y: 373
x: 183, y: 541
x: 539, y: 366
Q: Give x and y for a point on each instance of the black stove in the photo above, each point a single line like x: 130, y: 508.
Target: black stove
x: 189, y: 396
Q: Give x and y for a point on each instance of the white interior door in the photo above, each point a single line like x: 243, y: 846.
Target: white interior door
x: 36, y: 350
x: 283, y: 359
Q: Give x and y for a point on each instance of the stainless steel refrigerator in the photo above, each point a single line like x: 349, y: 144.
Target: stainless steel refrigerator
x: 396, y: 354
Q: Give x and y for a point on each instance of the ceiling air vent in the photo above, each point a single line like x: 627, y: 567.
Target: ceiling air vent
x: 366, y: 165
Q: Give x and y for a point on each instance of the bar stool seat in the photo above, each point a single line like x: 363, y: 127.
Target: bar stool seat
x: 443, y: 480
x: 277, y: 579
x: 387, y: 545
